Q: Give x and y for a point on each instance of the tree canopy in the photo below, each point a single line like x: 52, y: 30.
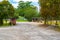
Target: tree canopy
x: 6, y: 10
x: 27, y: 10
x: 50, y: 9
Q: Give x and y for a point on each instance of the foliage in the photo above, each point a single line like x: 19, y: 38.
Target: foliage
x: 22, y: 19
x: 6, y: 10
x: 50, y: 9
x: 27, y: 10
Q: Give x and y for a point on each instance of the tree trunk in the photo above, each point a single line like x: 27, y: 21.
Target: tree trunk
x: 56, y: 22
x: 51, y: 23
x: 1, y: 21
x: 6, y: 21
x: 45, y: 21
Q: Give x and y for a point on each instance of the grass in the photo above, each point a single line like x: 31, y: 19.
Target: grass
x: 7, y: 24
x: 19, y: 20
x: 53, y: 23
x: 57, y: 29
x: 22, y: 21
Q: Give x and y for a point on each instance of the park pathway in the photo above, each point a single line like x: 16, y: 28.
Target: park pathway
x: 28, y: 31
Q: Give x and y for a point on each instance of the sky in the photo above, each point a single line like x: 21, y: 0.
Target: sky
x: 15, y: 2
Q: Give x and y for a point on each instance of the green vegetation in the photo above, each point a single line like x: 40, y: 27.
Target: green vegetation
x: 50, y: 10
x: 5, y: 24
x: 27, y: 10
x: 22, y: 19
x: 6, y: 11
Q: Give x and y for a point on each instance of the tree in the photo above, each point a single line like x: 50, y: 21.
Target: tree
x: 6, y: 10
x: 30, y: 12
x: 44, y: 4
x: 16, y: 15
x: 27, y: 10
x: 1, y: 17
x: 50, y: 8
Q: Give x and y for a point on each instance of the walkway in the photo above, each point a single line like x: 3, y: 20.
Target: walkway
x: 28, y: 31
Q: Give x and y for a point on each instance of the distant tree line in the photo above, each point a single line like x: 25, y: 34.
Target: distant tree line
x: 27, y: 10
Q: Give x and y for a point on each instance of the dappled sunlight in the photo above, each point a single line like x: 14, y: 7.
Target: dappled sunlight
x: 29, y: 19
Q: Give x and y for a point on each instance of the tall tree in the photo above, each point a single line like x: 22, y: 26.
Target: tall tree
x: 6, y: 10
x: 50, y: 8
x: 44, y: 4
x: 27, y: 10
